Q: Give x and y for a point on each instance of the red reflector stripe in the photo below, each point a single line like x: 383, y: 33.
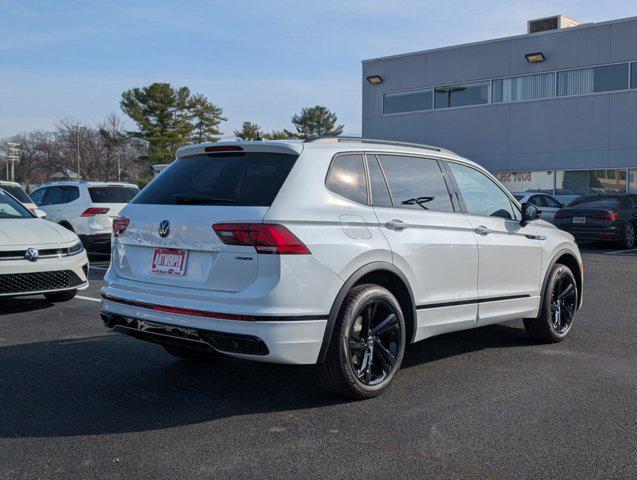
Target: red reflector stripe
x: 180, y: 311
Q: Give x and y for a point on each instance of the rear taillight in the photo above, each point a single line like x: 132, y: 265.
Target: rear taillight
x: 91, y: 212
x: 560, y: 215
x: 119, y: 225
x: 269, y: 239
x: 606, y: 216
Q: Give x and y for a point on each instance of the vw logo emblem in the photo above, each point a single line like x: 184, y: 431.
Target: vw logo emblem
x: 31, y: 255
x: 164, y: 228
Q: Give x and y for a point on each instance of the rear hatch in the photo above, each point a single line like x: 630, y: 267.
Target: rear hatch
x: 108, y: 201
x: 174, y: 215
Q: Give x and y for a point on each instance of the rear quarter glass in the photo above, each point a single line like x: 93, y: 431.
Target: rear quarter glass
x: 17, y: 192
x: 245, y: 179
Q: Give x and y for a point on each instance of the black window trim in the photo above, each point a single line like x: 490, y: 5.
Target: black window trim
x: 512, y: 200
x: 369, y: 181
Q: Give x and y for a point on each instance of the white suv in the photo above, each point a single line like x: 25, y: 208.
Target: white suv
x: 86, y: 208
x: 336, y: 252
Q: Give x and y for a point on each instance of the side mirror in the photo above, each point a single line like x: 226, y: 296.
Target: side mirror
x: 530, y: 212
x: 562, y: 205
x: 39, y: 213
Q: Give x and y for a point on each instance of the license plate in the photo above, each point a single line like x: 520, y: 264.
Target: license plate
x: 579, y: 219
x: 167, y: 261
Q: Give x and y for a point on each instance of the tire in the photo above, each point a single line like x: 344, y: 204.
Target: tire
x: 347, y: 369
x: 67, y: 226
x: 628, y: 241
x: 57, y: 297
x: 551, y: 326
x: 190, y: 354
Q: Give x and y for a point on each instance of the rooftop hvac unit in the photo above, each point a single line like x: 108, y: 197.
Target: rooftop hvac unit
x: 550, y: 23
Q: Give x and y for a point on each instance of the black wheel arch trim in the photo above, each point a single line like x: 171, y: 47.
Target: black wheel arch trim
x: 560, y: 253
x: 347, y: 286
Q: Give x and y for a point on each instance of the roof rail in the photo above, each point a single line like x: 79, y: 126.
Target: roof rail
x: 376, y: 142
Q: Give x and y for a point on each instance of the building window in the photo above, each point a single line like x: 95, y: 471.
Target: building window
x: 591, y: 80
x: 633, y: 75
x: 461, y: 95
x: 527, y: 87
x: 410, y: 101
x: 632, y: 181
x: 579, y: 182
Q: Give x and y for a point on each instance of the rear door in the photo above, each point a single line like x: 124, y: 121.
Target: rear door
x: 430, y: 238
x: 177, y: 210
x: 510, y: 254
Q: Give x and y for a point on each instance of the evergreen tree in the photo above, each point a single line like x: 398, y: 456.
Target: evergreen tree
x: 168, y: 118
x: 315, y: 122
x: 249, y: 131
x: 205, y: 117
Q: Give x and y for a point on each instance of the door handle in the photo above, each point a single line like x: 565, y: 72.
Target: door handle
x: 482, y: 230
x: 396, y: 224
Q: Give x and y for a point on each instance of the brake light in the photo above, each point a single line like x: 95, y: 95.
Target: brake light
x: 120, y: 224
x: 612, y: 216
x: 91, y: 212
x: 560, y: 215
x: 272, y: 239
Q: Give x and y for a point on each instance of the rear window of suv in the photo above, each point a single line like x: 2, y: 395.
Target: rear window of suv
x: 112, y: 194
x: 247, y: 179
x: 17, y: 192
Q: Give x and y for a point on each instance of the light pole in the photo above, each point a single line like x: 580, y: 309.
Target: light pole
x: 77, y: 148
x: 14, y: 158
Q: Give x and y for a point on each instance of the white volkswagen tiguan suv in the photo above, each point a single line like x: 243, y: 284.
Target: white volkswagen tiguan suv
x: 336, y: 252
x: 86, y: 208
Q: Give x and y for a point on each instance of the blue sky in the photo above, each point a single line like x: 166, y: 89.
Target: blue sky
x: 261, y: 61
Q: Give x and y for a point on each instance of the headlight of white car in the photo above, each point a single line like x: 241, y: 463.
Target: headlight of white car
x: 75, y: 249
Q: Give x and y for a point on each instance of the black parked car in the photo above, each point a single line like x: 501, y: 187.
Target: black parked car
x: 607, y: 217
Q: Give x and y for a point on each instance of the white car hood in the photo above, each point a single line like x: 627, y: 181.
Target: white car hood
x: 32, y: 232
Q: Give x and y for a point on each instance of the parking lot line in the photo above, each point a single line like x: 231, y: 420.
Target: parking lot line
x: 90, y: 299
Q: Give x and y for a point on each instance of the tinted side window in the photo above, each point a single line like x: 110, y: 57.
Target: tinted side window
x: 416, y: 183
x: 38, y: 195
x: 55, y: 196
x: 551, y: 202
x: 380, y: 192
x: 481, y: 195
x: 347, y: 177
x: 72, y: 193
x: 538, y: 200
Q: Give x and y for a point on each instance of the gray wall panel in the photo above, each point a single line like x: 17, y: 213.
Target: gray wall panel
x: 579, y: 132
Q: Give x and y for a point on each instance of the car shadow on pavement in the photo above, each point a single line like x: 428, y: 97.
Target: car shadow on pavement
x: 114, y: 384
x: 9, y: 306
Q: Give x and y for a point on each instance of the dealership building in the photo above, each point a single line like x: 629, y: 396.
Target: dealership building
x: 552, y: 110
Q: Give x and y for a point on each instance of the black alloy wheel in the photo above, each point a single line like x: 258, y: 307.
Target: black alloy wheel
x: 563, y: 303
x: 367, y: 344
x: 374, y: 342
x: 558, y: 309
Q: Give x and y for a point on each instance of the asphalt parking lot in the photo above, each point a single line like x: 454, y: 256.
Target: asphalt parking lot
x: 79, y: 402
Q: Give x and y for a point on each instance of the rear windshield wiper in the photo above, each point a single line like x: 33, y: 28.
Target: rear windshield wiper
x: 200, y: 199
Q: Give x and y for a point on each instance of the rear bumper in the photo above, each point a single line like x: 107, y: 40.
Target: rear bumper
x: 610, y: 234
x: 277, y: 339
